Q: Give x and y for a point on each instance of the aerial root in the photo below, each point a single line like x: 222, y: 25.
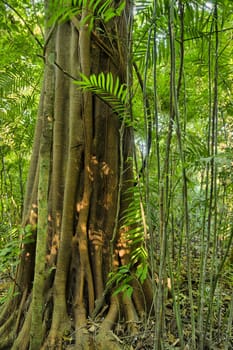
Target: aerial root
x: 6, y: 337
x: 22, y: 341
x: 8, y: 325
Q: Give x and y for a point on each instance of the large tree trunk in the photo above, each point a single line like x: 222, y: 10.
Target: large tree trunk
x: 75, y: 195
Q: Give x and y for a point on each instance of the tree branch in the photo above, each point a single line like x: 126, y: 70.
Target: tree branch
x: 25, y: 23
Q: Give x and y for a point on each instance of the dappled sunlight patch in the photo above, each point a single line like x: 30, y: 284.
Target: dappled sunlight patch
x: 90, y: 173
x: 105, y: 169
x: 33, y: 214
x: 108, y: 202
x: 83, y: 204
x: 54, y: 249
x: 96, y: 237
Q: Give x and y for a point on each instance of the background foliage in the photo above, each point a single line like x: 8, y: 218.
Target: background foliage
x: 20, y: 77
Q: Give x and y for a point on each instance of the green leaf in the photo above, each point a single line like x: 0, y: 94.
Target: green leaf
x: 120, y: 8
x: 106, y: 87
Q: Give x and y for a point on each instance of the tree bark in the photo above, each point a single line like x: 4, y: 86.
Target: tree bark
x: 81, y: 154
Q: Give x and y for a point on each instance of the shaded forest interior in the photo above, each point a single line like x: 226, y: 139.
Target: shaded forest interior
x: 116, y: 188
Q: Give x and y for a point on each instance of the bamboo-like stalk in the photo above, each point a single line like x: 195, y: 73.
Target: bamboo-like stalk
x: 214, y: 151
x: 155, y: 99
x: 175, y: 290
x: 174, y: 93
x: 205, y: 240
x: 163, y: 185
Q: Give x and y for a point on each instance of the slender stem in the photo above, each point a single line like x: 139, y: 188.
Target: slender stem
x: 174, y: 92
x: 214, y: 175
x: 156, y: 116
x: 207, y: 211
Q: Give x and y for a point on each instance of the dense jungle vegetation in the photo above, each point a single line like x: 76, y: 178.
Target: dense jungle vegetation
x: 116, y: 174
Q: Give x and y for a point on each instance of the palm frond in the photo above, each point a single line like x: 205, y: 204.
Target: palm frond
x: 106, y: 87
x: 10, y: 83
x: 133, y: 228
x: 63, y: 10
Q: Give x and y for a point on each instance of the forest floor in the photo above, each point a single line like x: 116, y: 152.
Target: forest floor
x: 218, y: 335
x: 145, y: 338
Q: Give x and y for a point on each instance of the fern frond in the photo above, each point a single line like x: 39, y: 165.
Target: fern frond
x: 106, y: 87
x: 63, y: 10
x: 11, y: 83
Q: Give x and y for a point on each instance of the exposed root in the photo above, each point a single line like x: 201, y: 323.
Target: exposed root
x: 22, y: 341
x: 7, y: 309
x: 7, y: 341
x: 131, y: 315
x: 63, y: 336
x: 112, y: 314
x: 83, y: 341
x: 60, y: 324
x: 53, y: 341
x: 21, y: 307
x: 7, y: 338
x: 7, y: 325
x: 107, y: 340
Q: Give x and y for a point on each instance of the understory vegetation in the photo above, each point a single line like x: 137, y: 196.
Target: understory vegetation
x: 169, y: 107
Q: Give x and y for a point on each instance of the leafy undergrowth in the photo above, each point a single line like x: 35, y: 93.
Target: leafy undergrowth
x: 218, y: 333
x: 145, y: 338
